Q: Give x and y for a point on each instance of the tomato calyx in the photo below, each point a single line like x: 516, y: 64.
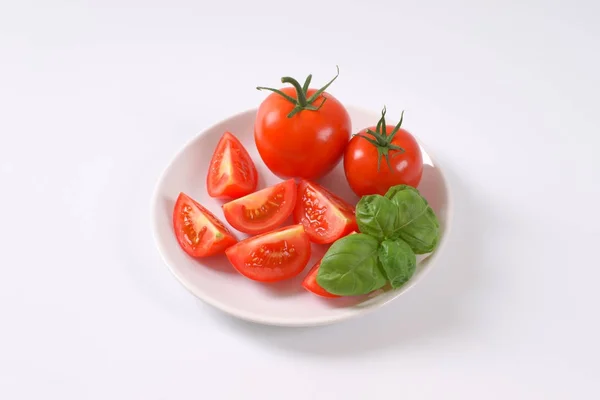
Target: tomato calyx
x: 301, y: 102
x: 382, y: 141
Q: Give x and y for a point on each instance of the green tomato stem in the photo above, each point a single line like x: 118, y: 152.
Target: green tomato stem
x: 307, y: 83
x: 299, y: 90
x: 301, y: 102
x: 382, y: 141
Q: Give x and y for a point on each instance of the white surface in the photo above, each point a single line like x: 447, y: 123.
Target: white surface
x: 287, y: 303
x: 96, y: 98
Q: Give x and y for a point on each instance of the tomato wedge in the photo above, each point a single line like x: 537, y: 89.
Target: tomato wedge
x: 198, y: 231
x: 264, y: 210
x: 310, y: 283
x: 325, y: 216
x: 273, y: 256
x: 231, y: 173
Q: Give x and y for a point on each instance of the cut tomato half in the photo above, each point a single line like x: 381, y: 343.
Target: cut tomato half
x: 197, y: 230
x: 264, y: 210
x: 310, y: 283
x: 273, y: 256
x: 231, y: 173
x: 325, y: 216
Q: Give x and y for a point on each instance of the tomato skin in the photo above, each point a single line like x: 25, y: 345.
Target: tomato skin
x: 264, y: 210
x: 325, y: 217
x: 310, y: 283
x: 360, y: 164
x: 271, y: 257
x: 231, y: 172
x: 307, y: 145
x: 198, y: 231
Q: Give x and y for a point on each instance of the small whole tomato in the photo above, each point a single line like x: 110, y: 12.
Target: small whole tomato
x: 365, y: 171
x: 301, y: 132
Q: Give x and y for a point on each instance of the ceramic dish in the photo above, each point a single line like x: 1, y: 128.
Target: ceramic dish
x: 286, y: 303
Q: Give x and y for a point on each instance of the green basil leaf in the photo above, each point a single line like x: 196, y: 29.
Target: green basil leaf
x: 398, y: 261
x: 377, y: 216
x: 398, y: 188
x: 417, y: 223
x: 351, y: 267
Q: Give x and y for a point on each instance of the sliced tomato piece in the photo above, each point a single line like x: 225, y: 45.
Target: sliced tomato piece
x: 232, y: 172
x: 264, y: 210
x: 325, y: 216
x: 310, y: 283
x: 273, y: 256
x: 198, y: 231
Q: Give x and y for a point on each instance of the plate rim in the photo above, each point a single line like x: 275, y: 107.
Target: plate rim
x: 257, y: 318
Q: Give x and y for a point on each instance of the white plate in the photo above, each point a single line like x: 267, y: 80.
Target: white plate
x: 214, y: 280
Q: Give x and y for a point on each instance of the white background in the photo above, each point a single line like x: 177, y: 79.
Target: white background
x: 96, y: 97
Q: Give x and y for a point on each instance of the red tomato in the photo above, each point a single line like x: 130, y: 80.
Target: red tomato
x: 231, y: 173
x: 310, y: 283
x: 325, y: 216
x: 301, y: 133
x: 378, y: 158
x: 273, y: 256
x: 198, y: 231
x: 264, y: 210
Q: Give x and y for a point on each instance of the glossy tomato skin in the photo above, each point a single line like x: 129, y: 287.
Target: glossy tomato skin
x: 310, y: 283
x: 307, y: 145
x: 264, y: 210
x: 271, y: 257
x: 231, y: 172
x: 198, y: 231
x: 325, y: 216
x: 360, y: 164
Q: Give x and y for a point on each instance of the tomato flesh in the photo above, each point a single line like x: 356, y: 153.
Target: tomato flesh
x: 198, y: 231
x: 361, y: 160
x: 310, y: 283
x: 325, y: 216
x: 264, y: 210
x: 231, y: 173
x: 273, y: 256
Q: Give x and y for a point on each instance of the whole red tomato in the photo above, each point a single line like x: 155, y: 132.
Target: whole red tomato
x: 301, y: 132
x: 382, y: 156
